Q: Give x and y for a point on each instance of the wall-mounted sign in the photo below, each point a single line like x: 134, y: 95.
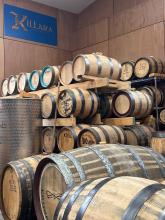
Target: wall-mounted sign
x: 28, y: 25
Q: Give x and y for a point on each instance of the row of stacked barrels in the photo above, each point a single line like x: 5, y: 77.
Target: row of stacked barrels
x: 69, y: 72
x: 122, y: 181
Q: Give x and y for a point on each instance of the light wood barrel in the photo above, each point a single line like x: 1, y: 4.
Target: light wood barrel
x: 34, y: 80
x: 101, y: 134
x: 12, y: 85
x: 158, y: 142
x: 49, y: 140
x: 48, y: 106
x: 162, y: 116
x: 146, y: 65
x: 113, y: 199
x: 127, y: 70
x: 67, y: 137
x: 138, y: 135
x: 96, y: 65
x: 77, y: 102
x: 23, y: 82
x: 4, y: 87
x: 106, y: 109
x: 49, y: 76
x: 17, y: 188
x: 93, y: 162
x: 154, y: 93
x: 66, y: 73
x: 132, y: 103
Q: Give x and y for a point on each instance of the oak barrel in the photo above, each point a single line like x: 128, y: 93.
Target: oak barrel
x: 146, y: 65
x: 48, y: 101
x: 138, y: 135
x: 87, y: 163
x: 23, y: 82
x: 77, y: 102
x: 101, y: 134
x: 132, y: 103
x: 34, y: 80
x: 127, y: 70
x: 123, y: 198
x: 158, y: 142
x: 96, y: 65
x: 49, y: 140
x: 67, y: 137
x: 162, y: 116
x: 106, y: 109
x: 49, y: 76
x: 12, y: 85
x: 17, y: 188
x: 66, y: 73
x: 4, y: 87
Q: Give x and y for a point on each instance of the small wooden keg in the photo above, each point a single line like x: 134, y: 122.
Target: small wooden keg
x: 101, y: 134
x: 154, y: 93
x: 12, y: 85
x: 49, y: 76
x: 48, y: 106
x: 138, y: 135
x: 17, y: 188
x: 49, y: 140
x: 132, y: 103
x: 67, y: 137
x: 158, y: 142
x: 56, y: 173
x: 66, y: 73
x: 146, y: 65
x: 127, y: 70
x: 34, y: 80
x: 77, y: 102
x: 123, y: 198
x: 106, y: 109
x: 23, y: 82
x: 96, y: 65
x: 4, y: 87
x: 162, y: 116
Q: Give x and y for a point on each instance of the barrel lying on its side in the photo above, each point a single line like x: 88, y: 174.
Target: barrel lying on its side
x: 23, y: 82
x: 93, y: 162
x: 49, y: 76
x: 66, y: 73
x: 48, y: 107
x: 4, y: 87
x: 127, y: 70
x: 125, y: 198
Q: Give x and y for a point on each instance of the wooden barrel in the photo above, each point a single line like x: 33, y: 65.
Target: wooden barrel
x: 138, y: 135
x: 12, y: 85
x: 93, y: 162
x: 17, y: 188
x: 34, y: 80
x: 125, y: 198
x: 49, y: 140
x: 66, y: 73
x: 67, y: 137
x: 77, y: 102
x: 101, y: 134
x: 146, y: 65
x: 48, y: 106
x: 158, y: 142
x: 96, y: 65
x: 162, y: 116
x: 127, y: 70
x: 154, y: 93
x: 132, y: 103
x: 49, y: 76
x: 23, y: 82
x: 106, y: 110
x: 4, y: 87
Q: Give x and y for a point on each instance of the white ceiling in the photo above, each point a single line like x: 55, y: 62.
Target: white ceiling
x: 74, y: 6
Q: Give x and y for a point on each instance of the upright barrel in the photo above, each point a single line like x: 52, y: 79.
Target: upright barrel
x: 67, y: 137
x: 146, y: 65
x: 96, y: 65
x: 132, y: 103
x: 66, y: 73
x: 127, y: 70
x: 34, y: 80
x: 88, y: 163
x: 17, y: 188
x: 125, y: 198
x: 20, y: 124
x: 106, y: 109
x: 48, y: 105
x: 49, y: 140
x: 77, y: 102
x: 12, y: 85
x: 23, y: 82
x: 49, y: 76
x: 4, y: 87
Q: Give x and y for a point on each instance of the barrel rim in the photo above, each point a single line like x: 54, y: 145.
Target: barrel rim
x: 43, y: 84
x: 63, y: 64
x: 2, y: 86
x: 26, y: 83
x: 150, y: 67
x: 132, y: 63
x: 53, y: 104
x: 15, y: 89
x: 42, y: 138
x: 30, y: 77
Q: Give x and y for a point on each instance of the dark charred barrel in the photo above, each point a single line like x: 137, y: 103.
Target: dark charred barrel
x: 49, y: 76
x: 34, y: 80
x: 127, y: 70
x: 106, y: 109
x: 23, y: 82
x: 66, y: 73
